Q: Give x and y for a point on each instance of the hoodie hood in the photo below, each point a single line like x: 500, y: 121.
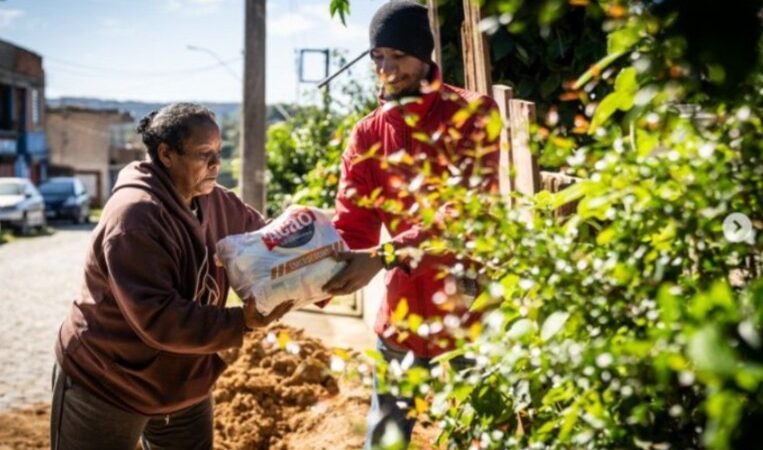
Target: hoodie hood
x: 150, y: 177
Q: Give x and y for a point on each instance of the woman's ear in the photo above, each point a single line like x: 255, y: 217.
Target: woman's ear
x: 164, y: 155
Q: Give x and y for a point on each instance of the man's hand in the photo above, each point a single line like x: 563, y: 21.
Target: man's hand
x: 362, y: 266
x: 254, y: 319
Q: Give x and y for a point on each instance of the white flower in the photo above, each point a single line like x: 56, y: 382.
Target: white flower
x: 337, y: 364
x: 706, y: 150
x: 604, y: 360
x: 744, y: 113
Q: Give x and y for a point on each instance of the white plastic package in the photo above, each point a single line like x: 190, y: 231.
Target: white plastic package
x: 288, y: 259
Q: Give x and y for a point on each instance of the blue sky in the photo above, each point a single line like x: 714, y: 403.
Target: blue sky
x: 138, y: 49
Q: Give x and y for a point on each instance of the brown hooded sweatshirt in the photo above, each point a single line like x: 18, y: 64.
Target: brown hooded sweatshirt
x: 149, y: 321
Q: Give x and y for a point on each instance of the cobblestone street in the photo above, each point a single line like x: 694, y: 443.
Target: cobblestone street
x: 39, y: 277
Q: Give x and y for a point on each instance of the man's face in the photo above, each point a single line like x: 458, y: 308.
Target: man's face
x: 400, y: 73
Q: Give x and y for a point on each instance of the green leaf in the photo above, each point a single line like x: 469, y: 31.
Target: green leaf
x: 375, y: 355
x: 646, y: 142
x: 570, y: 418
x: 417, y: 375
x: 606, y: 236
x: 460, y: 393
x: 494, y: 125
x: 569, y: 194
x: 710, y: 353
x: 421, y: 137
x: 447, y: 356
x: 553, y: 324
x: 626, y: 81
x: 606, y: 108
x: 520, y: 328
x: 415, y: 321
x: 670, y: 310
x: 341, y: 7
x: 626, y: 87
x: 719, y: 300
x: 401, y: 311
x: 484, y: 301
x: 461, y: 116
x: 561, y: 393
x: 623, y: 39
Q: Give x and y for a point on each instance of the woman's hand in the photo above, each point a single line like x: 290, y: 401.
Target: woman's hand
x: 254, y: 319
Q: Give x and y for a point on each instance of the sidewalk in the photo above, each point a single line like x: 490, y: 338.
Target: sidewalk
x: 333, y: 330
x: 344, y: 331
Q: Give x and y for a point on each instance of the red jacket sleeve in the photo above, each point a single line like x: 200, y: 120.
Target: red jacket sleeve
x: 359, y: 226
x: 154, y: 309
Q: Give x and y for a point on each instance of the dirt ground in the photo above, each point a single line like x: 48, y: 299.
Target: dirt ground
x: 25, y: 430
x: 277, y: 394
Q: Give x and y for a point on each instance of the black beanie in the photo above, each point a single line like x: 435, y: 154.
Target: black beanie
x: 403, y: 25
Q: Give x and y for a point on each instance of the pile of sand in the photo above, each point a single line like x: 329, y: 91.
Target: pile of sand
x: 279, y: 390
x: 25, y: 430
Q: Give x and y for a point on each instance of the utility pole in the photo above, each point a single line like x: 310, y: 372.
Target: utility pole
x: 253, y: 162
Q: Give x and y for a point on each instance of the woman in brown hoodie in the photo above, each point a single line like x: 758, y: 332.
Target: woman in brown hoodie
x: 137, y: 352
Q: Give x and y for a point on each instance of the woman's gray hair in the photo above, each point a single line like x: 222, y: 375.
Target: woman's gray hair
x: 172, y: 125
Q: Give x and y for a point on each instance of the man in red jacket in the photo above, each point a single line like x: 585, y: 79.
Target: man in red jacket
x: 413, y: 101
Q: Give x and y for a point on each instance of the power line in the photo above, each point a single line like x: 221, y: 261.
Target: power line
x: 127, y: 72
x: 217, y: 58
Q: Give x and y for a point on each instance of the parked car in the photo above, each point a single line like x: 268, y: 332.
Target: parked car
x: 66, y: 198
x: 21, y: 205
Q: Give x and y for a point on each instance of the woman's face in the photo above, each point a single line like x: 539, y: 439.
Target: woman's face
x: 194, y: 172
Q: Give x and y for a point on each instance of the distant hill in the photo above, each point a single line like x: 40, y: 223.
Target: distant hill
x: 136, y: 108
x: 139, y: 109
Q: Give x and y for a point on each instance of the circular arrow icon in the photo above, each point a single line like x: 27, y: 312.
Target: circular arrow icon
x: 737, y: 227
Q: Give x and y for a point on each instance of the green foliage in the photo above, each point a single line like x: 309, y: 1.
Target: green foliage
x: 294, y: 147
x: 633, y: 323
x: 303, y: 158
x: 303, y: 152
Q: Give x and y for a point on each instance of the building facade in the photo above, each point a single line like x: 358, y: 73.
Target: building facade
x: 93, y: 144
x: 23, y: 144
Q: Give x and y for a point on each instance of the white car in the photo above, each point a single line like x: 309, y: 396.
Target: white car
x: 21, y: 205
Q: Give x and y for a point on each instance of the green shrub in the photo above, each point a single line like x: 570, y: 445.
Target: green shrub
x: 633, y: 323
x: 303, y: 153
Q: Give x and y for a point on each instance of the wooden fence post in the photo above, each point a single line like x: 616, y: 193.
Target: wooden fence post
x: 476, y: 50
x: 502, y: 95
x: 523, y: 161
x: 434, y: 24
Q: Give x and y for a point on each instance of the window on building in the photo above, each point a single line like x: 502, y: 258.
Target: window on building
x: 117, y: 136
x: 121, y: 135
x: 35, y: 107
x: 6, y: 107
